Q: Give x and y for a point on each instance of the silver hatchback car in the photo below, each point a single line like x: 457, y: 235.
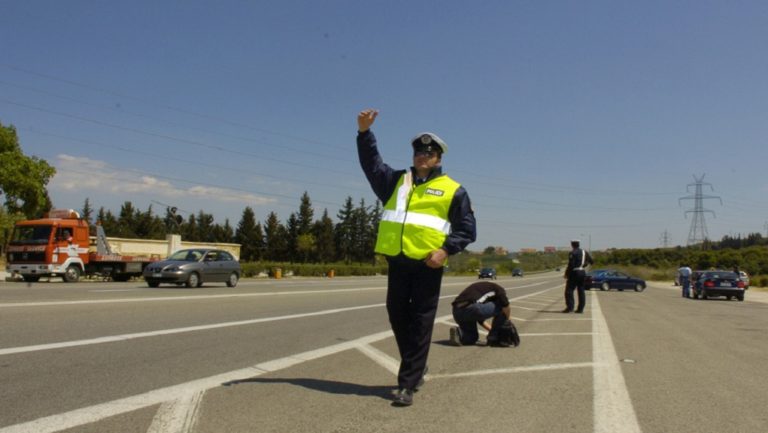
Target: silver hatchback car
x: 193, y: 267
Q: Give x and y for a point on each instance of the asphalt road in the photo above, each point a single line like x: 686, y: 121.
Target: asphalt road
x: 316, y: 355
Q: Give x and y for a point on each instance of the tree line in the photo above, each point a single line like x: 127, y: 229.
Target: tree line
x: 301, y: 239
x: 749, y: 253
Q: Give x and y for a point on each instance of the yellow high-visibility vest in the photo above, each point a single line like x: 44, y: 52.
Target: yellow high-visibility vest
x: 415, y: 218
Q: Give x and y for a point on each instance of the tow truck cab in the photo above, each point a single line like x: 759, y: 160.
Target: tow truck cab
x: 56, y: 245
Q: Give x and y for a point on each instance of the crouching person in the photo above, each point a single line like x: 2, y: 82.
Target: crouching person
x: 476, y: 304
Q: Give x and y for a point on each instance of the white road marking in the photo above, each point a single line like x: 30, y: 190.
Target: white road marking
x: 91, y: 414
x: 177, y: 416
x: 184, y: 298
x: 222, y: 296
x: 613, y: 411
x: 184, y: 393
x: 543, y: 367
x: 389, y: 363
x: 124, y: 337
x: 117, y: 290
x: 572, y: 318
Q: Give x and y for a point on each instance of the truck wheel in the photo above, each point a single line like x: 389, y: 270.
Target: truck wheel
x: 72, y: 274
x: 232, y: 281
x: 193, y: 280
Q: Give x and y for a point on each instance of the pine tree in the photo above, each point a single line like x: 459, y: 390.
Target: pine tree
x: 325, y: 246
x: 246, y: 236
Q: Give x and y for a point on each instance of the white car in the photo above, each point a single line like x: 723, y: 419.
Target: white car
x: 744, y: 277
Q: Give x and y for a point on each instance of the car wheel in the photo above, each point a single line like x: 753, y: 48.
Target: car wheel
x: 740, y: 297
x: 704, y: 294
x: 31, y: 278
x: 729, y: 297
x: 232, y: 281
x: 193, y: 280
x: 605, y: 286
x: 639, y: 287
x: 151, y: 283
x: 72, y: 274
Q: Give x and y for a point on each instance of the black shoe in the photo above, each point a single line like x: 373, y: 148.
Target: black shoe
x: 403, y: 397
x: 580, y: 311
x: 421, y: 379
x: 567, y: 310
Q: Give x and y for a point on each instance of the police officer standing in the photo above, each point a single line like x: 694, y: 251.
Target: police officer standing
x: 427, y: 216
x: 575, y: 274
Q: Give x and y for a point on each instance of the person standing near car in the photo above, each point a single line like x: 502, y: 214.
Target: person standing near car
x: 685, y: 279
x: 473, y: 306
x: 575, y: 273
x: 427, y: 216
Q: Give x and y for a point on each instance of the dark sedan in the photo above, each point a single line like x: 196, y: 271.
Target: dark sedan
x: 719, y: 283
x: 607, y: 279
x: 193, y: 267
x: 487, y: 273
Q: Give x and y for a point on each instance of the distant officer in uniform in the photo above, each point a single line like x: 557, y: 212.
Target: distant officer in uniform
x: 427, y: 216
x: 575, y: 274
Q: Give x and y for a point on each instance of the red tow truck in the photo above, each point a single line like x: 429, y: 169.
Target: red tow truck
x: 60, y: 245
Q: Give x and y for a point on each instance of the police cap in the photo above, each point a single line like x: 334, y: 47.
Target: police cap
x: 429, y: 142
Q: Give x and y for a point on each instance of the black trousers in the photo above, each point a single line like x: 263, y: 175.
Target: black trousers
x: 413, y: 292
x: 575, y: 281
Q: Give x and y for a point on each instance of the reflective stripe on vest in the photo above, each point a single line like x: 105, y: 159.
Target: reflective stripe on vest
x: 415, y: 219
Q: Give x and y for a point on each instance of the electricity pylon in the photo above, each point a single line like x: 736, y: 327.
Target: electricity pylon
x: 698, y: 232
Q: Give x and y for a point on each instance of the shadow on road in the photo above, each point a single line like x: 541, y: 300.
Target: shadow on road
x: 329, y: 386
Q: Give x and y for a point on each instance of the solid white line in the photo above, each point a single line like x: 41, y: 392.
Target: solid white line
x: 177, y: 416
x: 613, y: 411
x: 549, y: 320
x: 556, y: 334
x: 545, y: 367
x: 389, y: 363
x: 87, y: 415
x: 124, y: 337
x: 91, y: 414
x: 184, y: 298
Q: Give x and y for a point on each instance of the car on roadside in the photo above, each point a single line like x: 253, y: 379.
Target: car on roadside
x: 194, y: 267
x: 517, y: 272
x: 608, y: 279
x: 487, y: 273
x: 719, y: 283
x: 744, y: 277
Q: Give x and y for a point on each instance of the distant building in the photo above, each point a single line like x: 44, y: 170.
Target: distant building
x: 501, y: 251
x: 550, y: 249
x: 528, y: 250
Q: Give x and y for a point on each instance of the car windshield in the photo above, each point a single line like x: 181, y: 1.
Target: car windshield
x: 186, y: 255
x: 31, y: 235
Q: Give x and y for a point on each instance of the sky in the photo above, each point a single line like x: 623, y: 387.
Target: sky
x: 564, y: 119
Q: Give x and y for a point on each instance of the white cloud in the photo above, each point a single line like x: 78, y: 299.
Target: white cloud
x: 82, y: 174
